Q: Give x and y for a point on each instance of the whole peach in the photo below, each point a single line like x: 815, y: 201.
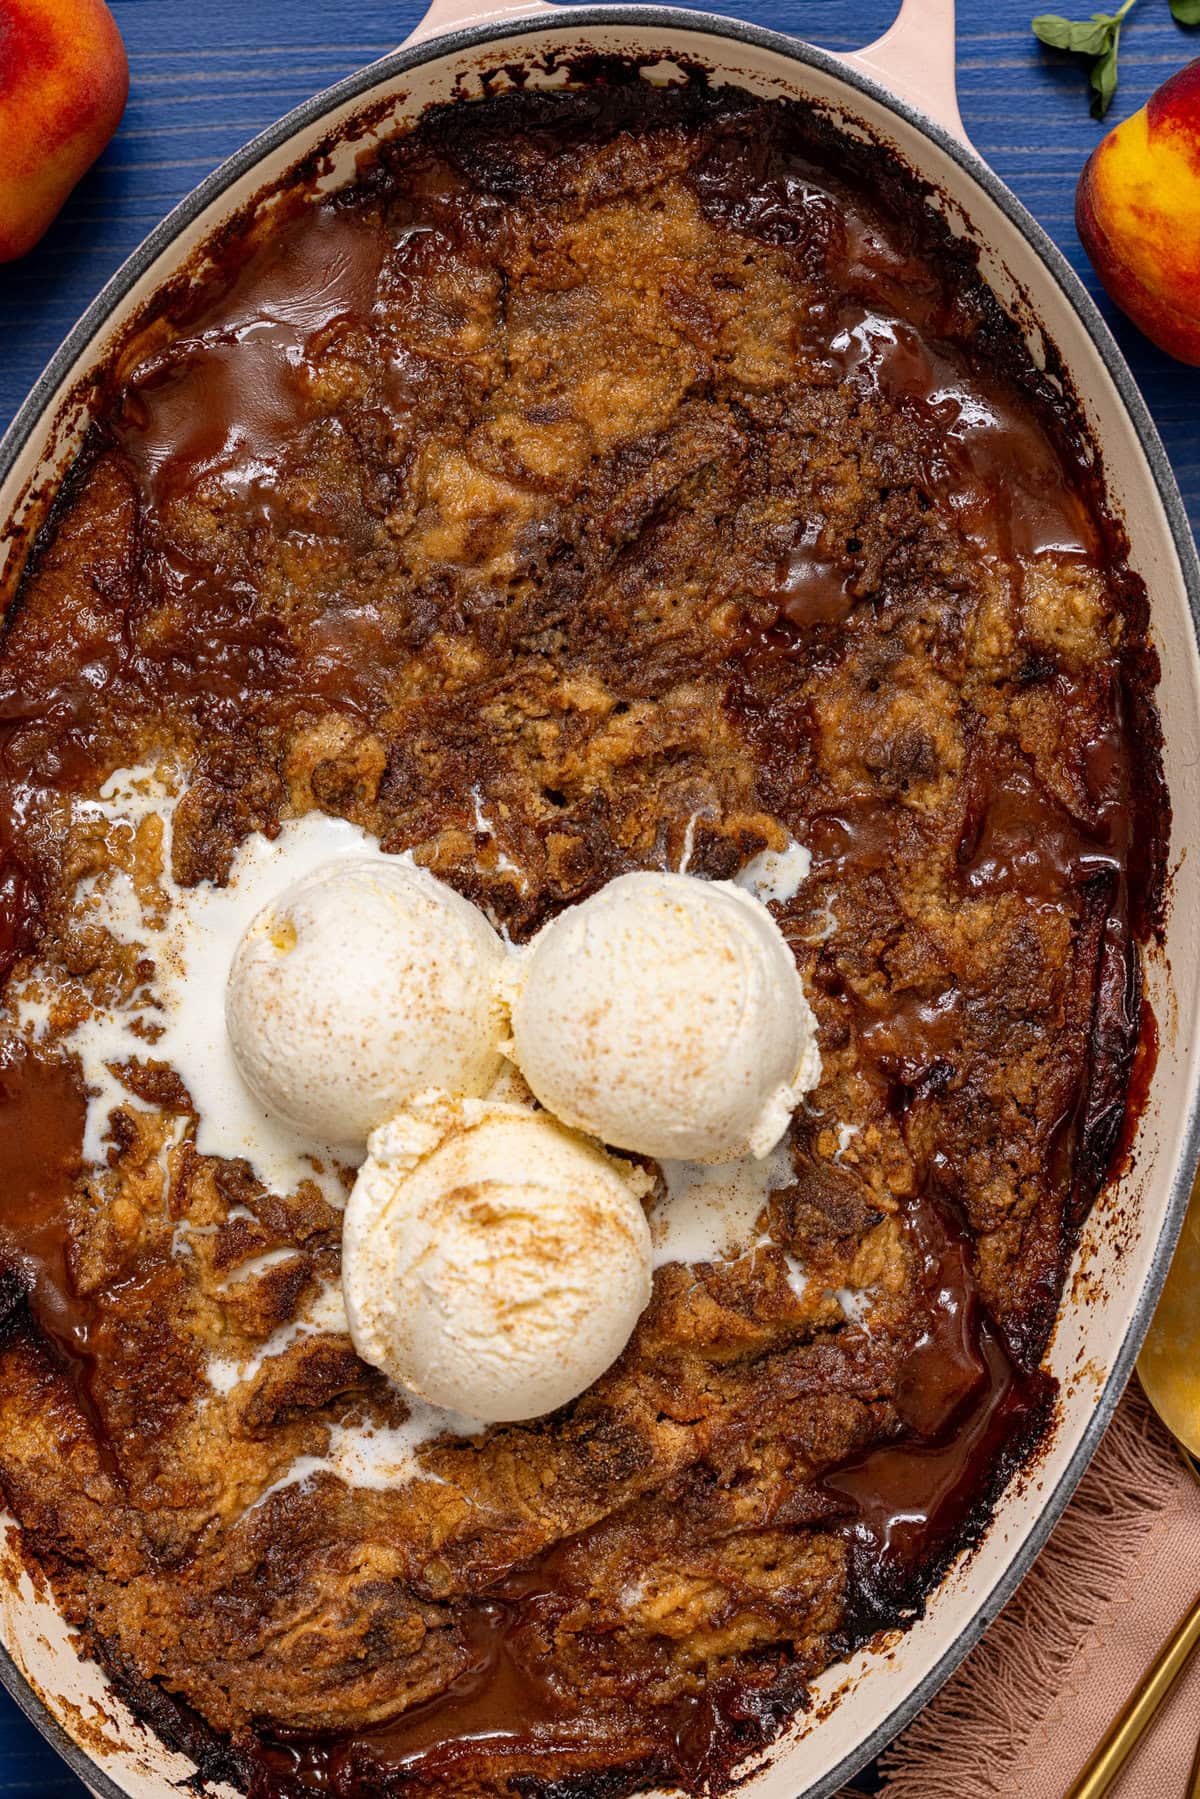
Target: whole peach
x: 1138, y: 213
x: 64, y: 79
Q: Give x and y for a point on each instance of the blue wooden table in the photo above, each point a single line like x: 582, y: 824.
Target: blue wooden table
x: 208, y: 74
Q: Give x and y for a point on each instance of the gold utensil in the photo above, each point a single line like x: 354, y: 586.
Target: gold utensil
x: 1126, y: 1730
x: 1169, y: 1365
x: 1169, y: 1370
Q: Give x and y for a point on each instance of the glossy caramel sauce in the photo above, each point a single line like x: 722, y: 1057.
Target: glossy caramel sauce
x: 41, y: 1144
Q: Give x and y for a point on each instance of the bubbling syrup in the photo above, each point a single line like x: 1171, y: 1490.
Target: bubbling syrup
x: 968, y: 1410
x: 227, y: 402
x: 42, y: 1113
x: 1000, y: 475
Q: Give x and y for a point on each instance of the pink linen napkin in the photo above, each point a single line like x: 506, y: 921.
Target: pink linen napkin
x: 1024, y: 1713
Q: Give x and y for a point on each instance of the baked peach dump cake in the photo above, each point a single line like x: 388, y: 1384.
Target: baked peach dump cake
x: 632, y: 482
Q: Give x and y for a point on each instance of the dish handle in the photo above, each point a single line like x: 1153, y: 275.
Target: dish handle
x: 914, y: 59
x: 445, y: 16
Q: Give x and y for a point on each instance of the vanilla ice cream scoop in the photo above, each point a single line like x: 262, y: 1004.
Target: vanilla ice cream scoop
x: 364, y: 983
x: 493, y: 1262
x: 666, y: 1015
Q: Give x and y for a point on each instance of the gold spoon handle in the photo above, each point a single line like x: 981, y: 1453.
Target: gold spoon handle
x: 1127, y: 1727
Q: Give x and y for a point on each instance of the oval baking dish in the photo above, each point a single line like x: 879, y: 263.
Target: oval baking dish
x: 900, y: 92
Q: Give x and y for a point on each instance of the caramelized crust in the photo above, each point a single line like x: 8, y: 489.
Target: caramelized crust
x: 638, y: 471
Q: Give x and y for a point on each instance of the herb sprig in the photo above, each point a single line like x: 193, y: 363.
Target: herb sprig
x: 1097, y: 40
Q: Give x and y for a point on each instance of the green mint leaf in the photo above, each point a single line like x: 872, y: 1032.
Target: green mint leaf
x: 1095, y: 41
x: 1104, y: 77
x: 1186, y: 12
x: 1092, y: 38
x: 1053, y: 31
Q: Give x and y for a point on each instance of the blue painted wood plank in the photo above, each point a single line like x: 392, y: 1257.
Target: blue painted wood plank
x: 208, y: 74
x: 29, y: 1768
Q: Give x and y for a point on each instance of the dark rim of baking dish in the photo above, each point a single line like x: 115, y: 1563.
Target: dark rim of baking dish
x: 667, y: 18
